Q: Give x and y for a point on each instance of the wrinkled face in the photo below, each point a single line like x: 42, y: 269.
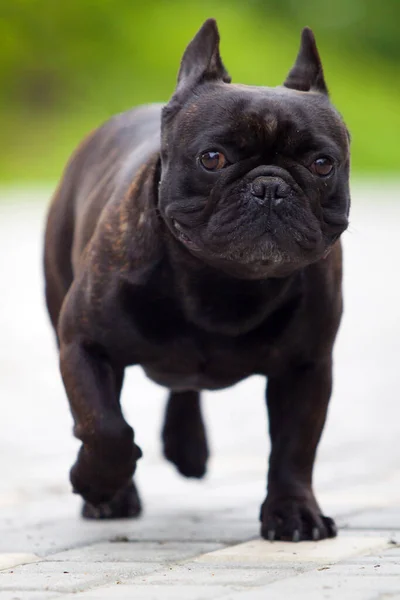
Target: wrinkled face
x: 254, y: 181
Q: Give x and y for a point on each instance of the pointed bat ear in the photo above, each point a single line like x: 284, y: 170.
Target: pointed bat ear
x: 307, y: 74
x: 201, y: 60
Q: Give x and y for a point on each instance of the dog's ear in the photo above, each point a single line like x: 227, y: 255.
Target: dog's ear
x: 307, y: 74
x: 201, y: 60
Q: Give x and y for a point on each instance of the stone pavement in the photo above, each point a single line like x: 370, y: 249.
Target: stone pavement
x: 199, y: 540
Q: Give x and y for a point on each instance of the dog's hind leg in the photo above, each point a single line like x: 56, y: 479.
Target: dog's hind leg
x: 184, y: 435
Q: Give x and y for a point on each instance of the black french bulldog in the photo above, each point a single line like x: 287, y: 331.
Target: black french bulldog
x: 200, y: 241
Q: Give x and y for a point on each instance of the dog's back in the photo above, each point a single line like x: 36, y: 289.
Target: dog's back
x: 106, y: 160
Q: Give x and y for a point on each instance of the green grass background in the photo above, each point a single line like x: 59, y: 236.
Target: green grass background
x: 66, y: 67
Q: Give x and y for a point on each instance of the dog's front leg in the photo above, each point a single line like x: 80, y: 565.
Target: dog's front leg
x: 108, y: 455
x: 297, y: 405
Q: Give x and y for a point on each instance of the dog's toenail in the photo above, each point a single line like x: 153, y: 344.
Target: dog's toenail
x: 296, y: 536
x: 271, y: 535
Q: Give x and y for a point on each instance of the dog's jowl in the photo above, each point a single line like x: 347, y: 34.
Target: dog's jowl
x: 200, y: 240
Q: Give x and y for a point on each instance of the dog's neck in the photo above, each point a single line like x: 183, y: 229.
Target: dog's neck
x: 219, y: 302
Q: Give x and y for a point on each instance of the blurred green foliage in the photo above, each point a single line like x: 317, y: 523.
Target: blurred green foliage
x: 66, y: 66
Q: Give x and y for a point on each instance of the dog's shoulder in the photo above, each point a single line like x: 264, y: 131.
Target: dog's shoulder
x: 124, y: 248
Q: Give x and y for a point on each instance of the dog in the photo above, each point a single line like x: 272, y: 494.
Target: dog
x: 200, y: 240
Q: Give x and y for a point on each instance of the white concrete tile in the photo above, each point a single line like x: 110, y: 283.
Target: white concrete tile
x: 153, y: 592
x: 375, y: 491
x: 14, y: 558
x: 357, y: 466
x: 155, y: 552
x: 394, y: 550
x: 70, y: 577
x: 27, y: 595
x: 368, y: 577
x: 377, y: 567
x: 323, y: 586
x: 386, y: 517
x: 197, y: 574
x: 261, y: 552
x: 57, y: 535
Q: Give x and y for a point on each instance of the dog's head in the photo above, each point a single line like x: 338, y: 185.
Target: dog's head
x: 254, y: 180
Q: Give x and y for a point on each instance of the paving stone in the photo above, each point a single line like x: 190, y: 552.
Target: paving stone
x: 357, y: 467
x: 59, y: 535
x: 32, y: 511
x: 28, y: 595
x: 323, y: 585
x: 390, y: 556
x: 70, y: 576
x: 190, y: 529
x: 155, y: 552
x: 153, y: 592
x: 13, y: 559
x: 371, y: 492
x: 377, y: 567
x: 394, y: 550
x: 261, y: 552
x: 194, y: 573
x: 363, y: 578
x: 382, y: 518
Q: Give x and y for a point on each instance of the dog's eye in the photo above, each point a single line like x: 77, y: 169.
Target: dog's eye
x: 213, y: 161
x: 323, y: 166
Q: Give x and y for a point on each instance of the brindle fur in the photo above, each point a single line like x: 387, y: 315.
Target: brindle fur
x: 122, y: 290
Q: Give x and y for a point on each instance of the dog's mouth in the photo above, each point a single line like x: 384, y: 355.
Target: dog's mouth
x: 183, y: 236
x: 253, y: 261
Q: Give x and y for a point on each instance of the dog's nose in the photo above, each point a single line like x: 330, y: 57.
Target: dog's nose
x: 270, y: 189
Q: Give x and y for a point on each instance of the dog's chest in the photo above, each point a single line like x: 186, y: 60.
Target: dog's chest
x: 181, y: 354
x: 202, y: 362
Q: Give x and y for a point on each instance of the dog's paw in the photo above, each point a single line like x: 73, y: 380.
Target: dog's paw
x: 295, y: 520
x: 187, y: 449
x: 99, y: 481
x: 125, y: 504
